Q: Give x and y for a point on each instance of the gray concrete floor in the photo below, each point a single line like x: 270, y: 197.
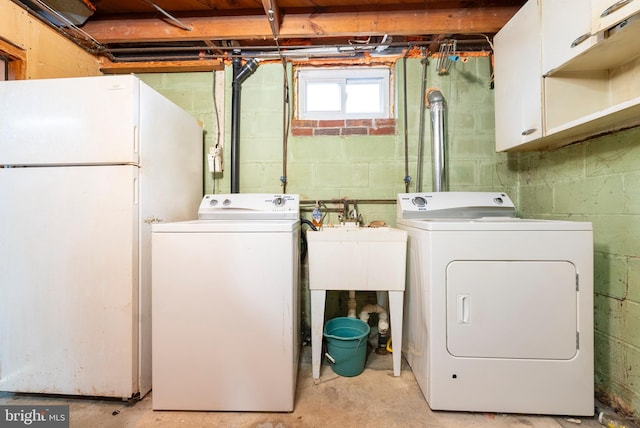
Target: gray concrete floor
x: 374, y: 399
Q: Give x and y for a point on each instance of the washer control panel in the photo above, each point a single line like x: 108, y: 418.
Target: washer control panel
x: 249, y: 206
x: 454, y: 205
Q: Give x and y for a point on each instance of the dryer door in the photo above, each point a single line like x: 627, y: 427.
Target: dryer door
x: 512, y: 309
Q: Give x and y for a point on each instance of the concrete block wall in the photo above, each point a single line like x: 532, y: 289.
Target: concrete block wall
x: 599, y: 181
x: 349, y: 166
x: 193, y: 92
x: 371, y: 166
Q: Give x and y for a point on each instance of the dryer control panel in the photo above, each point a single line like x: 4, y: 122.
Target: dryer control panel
x: 249, y: 206
x: 454, y: 205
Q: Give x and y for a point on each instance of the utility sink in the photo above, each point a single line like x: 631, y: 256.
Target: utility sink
x: 360, y: 259
x: 357, y: 258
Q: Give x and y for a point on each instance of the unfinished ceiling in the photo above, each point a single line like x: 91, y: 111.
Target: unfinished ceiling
x: 188, y: 30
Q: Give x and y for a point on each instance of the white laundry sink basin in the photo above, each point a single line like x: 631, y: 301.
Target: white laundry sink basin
x: 357, y: 258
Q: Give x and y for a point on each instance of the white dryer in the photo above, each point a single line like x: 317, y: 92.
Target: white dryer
x: 225, y: 306
x: 498, y: 310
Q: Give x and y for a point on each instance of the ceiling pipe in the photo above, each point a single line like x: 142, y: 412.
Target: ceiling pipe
x: 240, y: 74
x: 265, y: 52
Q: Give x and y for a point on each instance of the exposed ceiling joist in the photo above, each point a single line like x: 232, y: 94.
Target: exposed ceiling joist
x: 306, y: 25
x: 187, y: 34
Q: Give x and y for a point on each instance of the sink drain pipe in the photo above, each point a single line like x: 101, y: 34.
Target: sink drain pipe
x: 383, y: 324
x: 240, y: 74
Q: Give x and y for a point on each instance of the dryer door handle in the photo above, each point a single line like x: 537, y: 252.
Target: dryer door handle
x: 464, y: 308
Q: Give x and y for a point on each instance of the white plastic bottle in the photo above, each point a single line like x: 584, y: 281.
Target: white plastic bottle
x: 316, y: 216
x: 610, y: 421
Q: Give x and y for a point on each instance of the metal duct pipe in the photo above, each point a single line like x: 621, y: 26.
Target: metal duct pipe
x: 240, y: 74
x: 438, y: 107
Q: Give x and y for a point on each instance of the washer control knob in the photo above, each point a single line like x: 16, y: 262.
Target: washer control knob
x: 279, y: 202
x: 419, y: 201
x: 213, y: 202
x: 226, y: 202
x: 498, y: 200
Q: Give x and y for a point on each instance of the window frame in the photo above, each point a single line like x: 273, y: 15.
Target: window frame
x: 4, y: 68
x: 341, y: 75
x: 15, y: 61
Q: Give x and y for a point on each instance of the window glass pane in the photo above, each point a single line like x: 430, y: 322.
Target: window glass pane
x: 363, y: 96
x: 344, y: 93
x: 323, y: 96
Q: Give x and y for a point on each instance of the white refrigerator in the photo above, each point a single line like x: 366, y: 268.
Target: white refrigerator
x: 86, y: 166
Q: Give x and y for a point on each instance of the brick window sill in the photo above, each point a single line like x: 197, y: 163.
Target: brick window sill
x: 311, y: 128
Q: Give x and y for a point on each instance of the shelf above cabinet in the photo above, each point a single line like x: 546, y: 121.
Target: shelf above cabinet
x: 615, y: 47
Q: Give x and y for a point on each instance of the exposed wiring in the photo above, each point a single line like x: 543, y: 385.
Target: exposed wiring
x: 173, y: 19
x: 355, y: 41
x: 304, y: 245
x: 286, y: 110
x: 445, y: 59
x: 285, y: 123
x: 216, y: 116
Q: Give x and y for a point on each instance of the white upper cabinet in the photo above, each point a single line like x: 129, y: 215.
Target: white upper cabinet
x: 518, y: 82
x: 565, y: 31
x: 559, y: 79
x: 607, y: 13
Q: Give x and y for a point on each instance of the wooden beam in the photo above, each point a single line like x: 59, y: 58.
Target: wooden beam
x: 109, y: 67
x: 307, y: 25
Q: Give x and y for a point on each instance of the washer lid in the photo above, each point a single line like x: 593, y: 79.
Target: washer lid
x: 454, y: 205
x: 493, y: 224
x: 227, y: 226
x: 249, y: 206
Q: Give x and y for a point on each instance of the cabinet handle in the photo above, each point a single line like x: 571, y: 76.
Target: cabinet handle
x: 580, y: 39
x: 608, y: 11
x: 529, y: 131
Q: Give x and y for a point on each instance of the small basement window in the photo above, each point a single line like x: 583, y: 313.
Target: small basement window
x: 342, y: 93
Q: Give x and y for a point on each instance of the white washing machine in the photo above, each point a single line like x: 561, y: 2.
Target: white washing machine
x: 225, y: 306
x: 498, y: 310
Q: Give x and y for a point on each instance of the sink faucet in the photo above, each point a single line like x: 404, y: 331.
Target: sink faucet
x: 345, y: 210
x: 353, y: 214
x: 349, y: 216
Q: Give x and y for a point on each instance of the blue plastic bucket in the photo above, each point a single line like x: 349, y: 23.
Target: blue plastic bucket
x: 347, y: 345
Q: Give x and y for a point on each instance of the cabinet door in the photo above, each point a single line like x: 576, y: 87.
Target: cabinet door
x: 518, y: 80
x: 563, y: 38
x: 607, y: 13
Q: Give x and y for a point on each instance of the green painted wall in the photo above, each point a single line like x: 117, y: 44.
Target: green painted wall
x: 354, y: 167
x: 596, y: 181
x: 599, y: 181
